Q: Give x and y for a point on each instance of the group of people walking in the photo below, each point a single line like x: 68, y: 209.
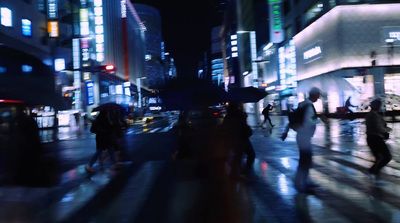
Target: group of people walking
x: 376, y: 130
x: 231, y: 142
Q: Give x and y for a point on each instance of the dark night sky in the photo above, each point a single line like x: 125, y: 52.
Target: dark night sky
x: 185, y: 30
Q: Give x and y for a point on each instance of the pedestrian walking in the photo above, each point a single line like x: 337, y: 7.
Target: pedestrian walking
x: 377, y: 132
x: 101, y: 126
x: 303, y: 138
x: 237, y: 133
x: 265, y: 112
x: 116, y: 132
x: 348, y: 104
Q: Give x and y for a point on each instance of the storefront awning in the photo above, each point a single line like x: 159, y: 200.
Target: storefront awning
x: 326, y: 83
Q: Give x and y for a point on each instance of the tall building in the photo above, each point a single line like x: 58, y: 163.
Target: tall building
x: 153, y: 39
x: 27, y: 45
x: 109, y: 33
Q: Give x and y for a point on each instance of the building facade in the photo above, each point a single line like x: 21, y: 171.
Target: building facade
x: 153, y: 52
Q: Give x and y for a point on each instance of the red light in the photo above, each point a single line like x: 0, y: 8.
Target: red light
x: 110, y: 67
x: 215, y: 113
x: 10, y: 101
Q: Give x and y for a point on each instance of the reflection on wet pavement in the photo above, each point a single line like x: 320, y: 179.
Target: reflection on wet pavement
x: 158, y: 191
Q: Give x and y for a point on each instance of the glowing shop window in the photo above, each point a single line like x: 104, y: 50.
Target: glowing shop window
x: 99, y: 29
x: 6, y: 17
x: 98, y: 2
x: 84, y: 28
x: 59, y: 64
x: 100, y: 57
x: 98, y: 20
x: 98, y: 11
x: 26, y: 27
x: 234, y: 54
x: 99, y: 47
x: 99, y: 38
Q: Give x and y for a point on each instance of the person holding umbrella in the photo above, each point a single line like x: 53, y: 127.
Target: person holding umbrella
x: 101, y: 126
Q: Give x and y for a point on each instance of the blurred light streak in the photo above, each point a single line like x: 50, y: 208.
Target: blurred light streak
x: 285, y: 162
x: 283, y: 184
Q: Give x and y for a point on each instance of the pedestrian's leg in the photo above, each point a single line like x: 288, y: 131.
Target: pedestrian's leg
x: 93, y: 160
x: 373, y: 144
x: 384, y: 158
x: 269, y: 120
x: 263, y: 122
x: 95, y: 157
x: 303, y: 170
x: 103, y: 157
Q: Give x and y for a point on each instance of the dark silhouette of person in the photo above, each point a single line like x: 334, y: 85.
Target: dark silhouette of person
x: 32, y: 169
x: 116, y: 132
x: 376, y: 130
x: 238, y: 133
x: 348, y: 104
x: 265, y: 112
x: 302, y: 182
x: 102, y: 127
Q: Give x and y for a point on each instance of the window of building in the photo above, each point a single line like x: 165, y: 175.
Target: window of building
x: 286, y: 7
x: 26, y: 27
x: 332, y: 3
x: 313, y: 11
x: 6, y: 17
x: 298, y: 24
x: 41, y: 6
x: 288, y: 32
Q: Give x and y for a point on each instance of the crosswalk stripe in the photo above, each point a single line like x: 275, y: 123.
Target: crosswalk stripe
x: 166, y: 129
x: 357, y: 198
x: 337, y: 195
x: 284, y: 184
x: 133, y: 193
x: 155, y: 130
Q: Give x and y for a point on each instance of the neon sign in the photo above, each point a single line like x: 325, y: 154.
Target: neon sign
x: 276, y: 21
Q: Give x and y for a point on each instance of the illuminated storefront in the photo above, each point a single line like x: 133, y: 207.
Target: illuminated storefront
x: 347, y: 52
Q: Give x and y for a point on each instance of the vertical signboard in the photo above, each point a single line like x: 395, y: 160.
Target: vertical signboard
x: 90, y: 93
x: 52, y: 9
x: 276, y: 21
x: 99, y: 29
x: 287, y: 66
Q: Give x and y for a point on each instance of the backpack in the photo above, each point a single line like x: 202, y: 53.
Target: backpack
x: 296, y: 117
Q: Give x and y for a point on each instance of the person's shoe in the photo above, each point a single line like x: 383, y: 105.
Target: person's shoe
x: 89, y: 169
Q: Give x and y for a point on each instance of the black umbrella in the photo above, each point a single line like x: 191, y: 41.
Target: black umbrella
x: 186, y: 94
x: 109, y: 107
x: 246, y: 94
